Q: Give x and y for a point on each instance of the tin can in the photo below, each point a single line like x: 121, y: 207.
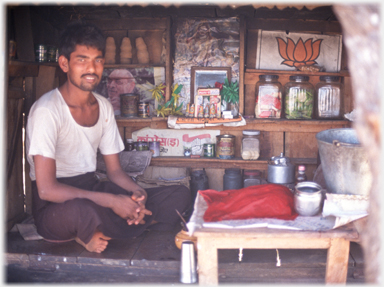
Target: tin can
x: 12, y: 50
x: 209, y: 150
x: 143, y: 110
x: 225, y: 146
x: 40, y: 53
x: 308, y: 198
x: 51, y: 53
x: 128, y: 105
x: 141, y: 146
x: 154, y: 147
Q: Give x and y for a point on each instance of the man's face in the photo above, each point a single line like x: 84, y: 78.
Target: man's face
x: 119, y: 82
x: 85, y: 68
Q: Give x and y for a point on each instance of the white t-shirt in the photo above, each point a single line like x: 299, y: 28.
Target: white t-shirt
x: 52, y: 132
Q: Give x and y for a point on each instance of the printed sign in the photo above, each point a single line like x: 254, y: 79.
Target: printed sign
x: 173, y: 142
x: 278, y: 50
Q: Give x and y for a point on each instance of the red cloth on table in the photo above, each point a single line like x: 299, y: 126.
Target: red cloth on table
x: 257, y: 201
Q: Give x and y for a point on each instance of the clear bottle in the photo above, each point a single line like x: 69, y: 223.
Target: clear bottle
x: 268, y: 97
x: 299, y: 98
x: 301, y: 176
x: 250, y: 145
x: 329, y: 95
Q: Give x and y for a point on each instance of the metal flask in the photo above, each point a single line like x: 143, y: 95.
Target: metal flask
x: 188, y: 268
x: 281, y: 170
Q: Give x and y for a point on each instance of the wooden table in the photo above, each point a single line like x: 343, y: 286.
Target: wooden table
x: 336, y: 241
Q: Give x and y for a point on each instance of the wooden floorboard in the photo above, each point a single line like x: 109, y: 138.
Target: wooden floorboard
x: 153, y: 258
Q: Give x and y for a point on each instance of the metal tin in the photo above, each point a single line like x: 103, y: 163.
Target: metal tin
x: 141, y: 146
x: 143, y: 110
x: 209, y: 150
x: 225, y: 146
x: 154, y: 147
x: 40, y: 53
x: 128, y: 105
x: 308, y: 198
x: 51, y: 53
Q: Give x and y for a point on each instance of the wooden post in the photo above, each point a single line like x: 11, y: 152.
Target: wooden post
x: 207, y: 262
x: 337, y: 261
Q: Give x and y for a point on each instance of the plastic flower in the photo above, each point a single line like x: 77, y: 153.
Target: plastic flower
x: 301, y: 53
x: 158, y: 92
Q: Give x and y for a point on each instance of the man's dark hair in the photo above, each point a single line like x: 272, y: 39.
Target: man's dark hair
x: 81, y: 33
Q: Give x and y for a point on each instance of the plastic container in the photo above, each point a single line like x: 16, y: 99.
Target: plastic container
x: 299, y: 98
x: 250, y: 145
x: 232, y: 179
x: 268, y: 97
x: 251, y: 177
x: 199, y: 181
x: 328, y: 103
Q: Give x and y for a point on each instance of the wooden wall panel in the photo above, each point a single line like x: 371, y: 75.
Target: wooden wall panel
x: 14, y: 168
x: 46, y: 80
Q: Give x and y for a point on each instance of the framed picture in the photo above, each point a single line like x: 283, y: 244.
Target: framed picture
x: 206, y: 77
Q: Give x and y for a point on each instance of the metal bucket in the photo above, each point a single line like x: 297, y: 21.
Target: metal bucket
x: 344, y: 162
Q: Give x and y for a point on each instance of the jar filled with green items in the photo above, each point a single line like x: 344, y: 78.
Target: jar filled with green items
x: 299, y: 98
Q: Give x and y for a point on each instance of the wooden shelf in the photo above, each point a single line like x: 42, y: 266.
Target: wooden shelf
x: 342, y: 73
x: 277, y: 125
x: 203, y: 162
x: 132, y: 66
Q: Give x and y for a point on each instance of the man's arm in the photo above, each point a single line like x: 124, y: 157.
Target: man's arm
x: 51, y: 190
x: 118, y: 176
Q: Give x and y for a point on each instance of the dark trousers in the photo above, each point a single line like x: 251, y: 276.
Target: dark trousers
x: 82, y: 217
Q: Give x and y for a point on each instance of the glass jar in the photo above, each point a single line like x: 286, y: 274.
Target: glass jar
x: 328, y: 101
x: 268, y: 97
x: 250, y: 145
x: 129, y: 145
x: 299, y: 98
x: 251, y: 177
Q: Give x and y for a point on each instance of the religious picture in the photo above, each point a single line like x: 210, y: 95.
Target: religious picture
x: 205, y: 43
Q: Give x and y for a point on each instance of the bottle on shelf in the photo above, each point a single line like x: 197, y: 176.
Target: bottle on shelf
x: 301, y: 176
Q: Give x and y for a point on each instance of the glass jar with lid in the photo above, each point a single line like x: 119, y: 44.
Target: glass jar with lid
x: 299, y: 98
x: 252, y: 177
x: 268, y: 97
x: 250, y: 145
x: 328, y: 101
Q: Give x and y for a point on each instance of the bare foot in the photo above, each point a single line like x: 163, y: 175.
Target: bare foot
x: 97, y: 244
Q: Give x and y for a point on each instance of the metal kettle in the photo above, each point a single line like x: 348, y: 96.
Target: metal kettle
x: 281, y: 170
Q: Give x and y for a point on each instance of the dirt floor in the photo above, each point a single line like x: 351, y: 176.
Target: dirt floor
x: 154, y: 258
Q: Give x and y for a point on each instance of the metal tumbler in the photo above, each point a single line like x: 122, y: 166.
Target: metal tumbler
x: 188, y: 263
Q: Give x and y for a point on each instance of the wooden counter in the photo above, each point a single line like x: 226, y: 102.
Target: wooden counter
x: 336, y: 241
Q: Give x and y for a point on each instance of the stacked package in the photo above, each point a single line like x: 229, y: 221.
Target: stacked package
x: 126, y: 51
x: 110, y: 51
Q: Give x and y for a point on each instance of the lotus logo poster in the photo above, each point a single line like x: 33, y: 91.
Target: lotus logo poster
x: 279, y: 50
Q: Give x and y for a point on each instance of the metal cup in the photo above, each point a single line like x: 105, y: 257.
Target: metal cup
x: 188, y: 263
